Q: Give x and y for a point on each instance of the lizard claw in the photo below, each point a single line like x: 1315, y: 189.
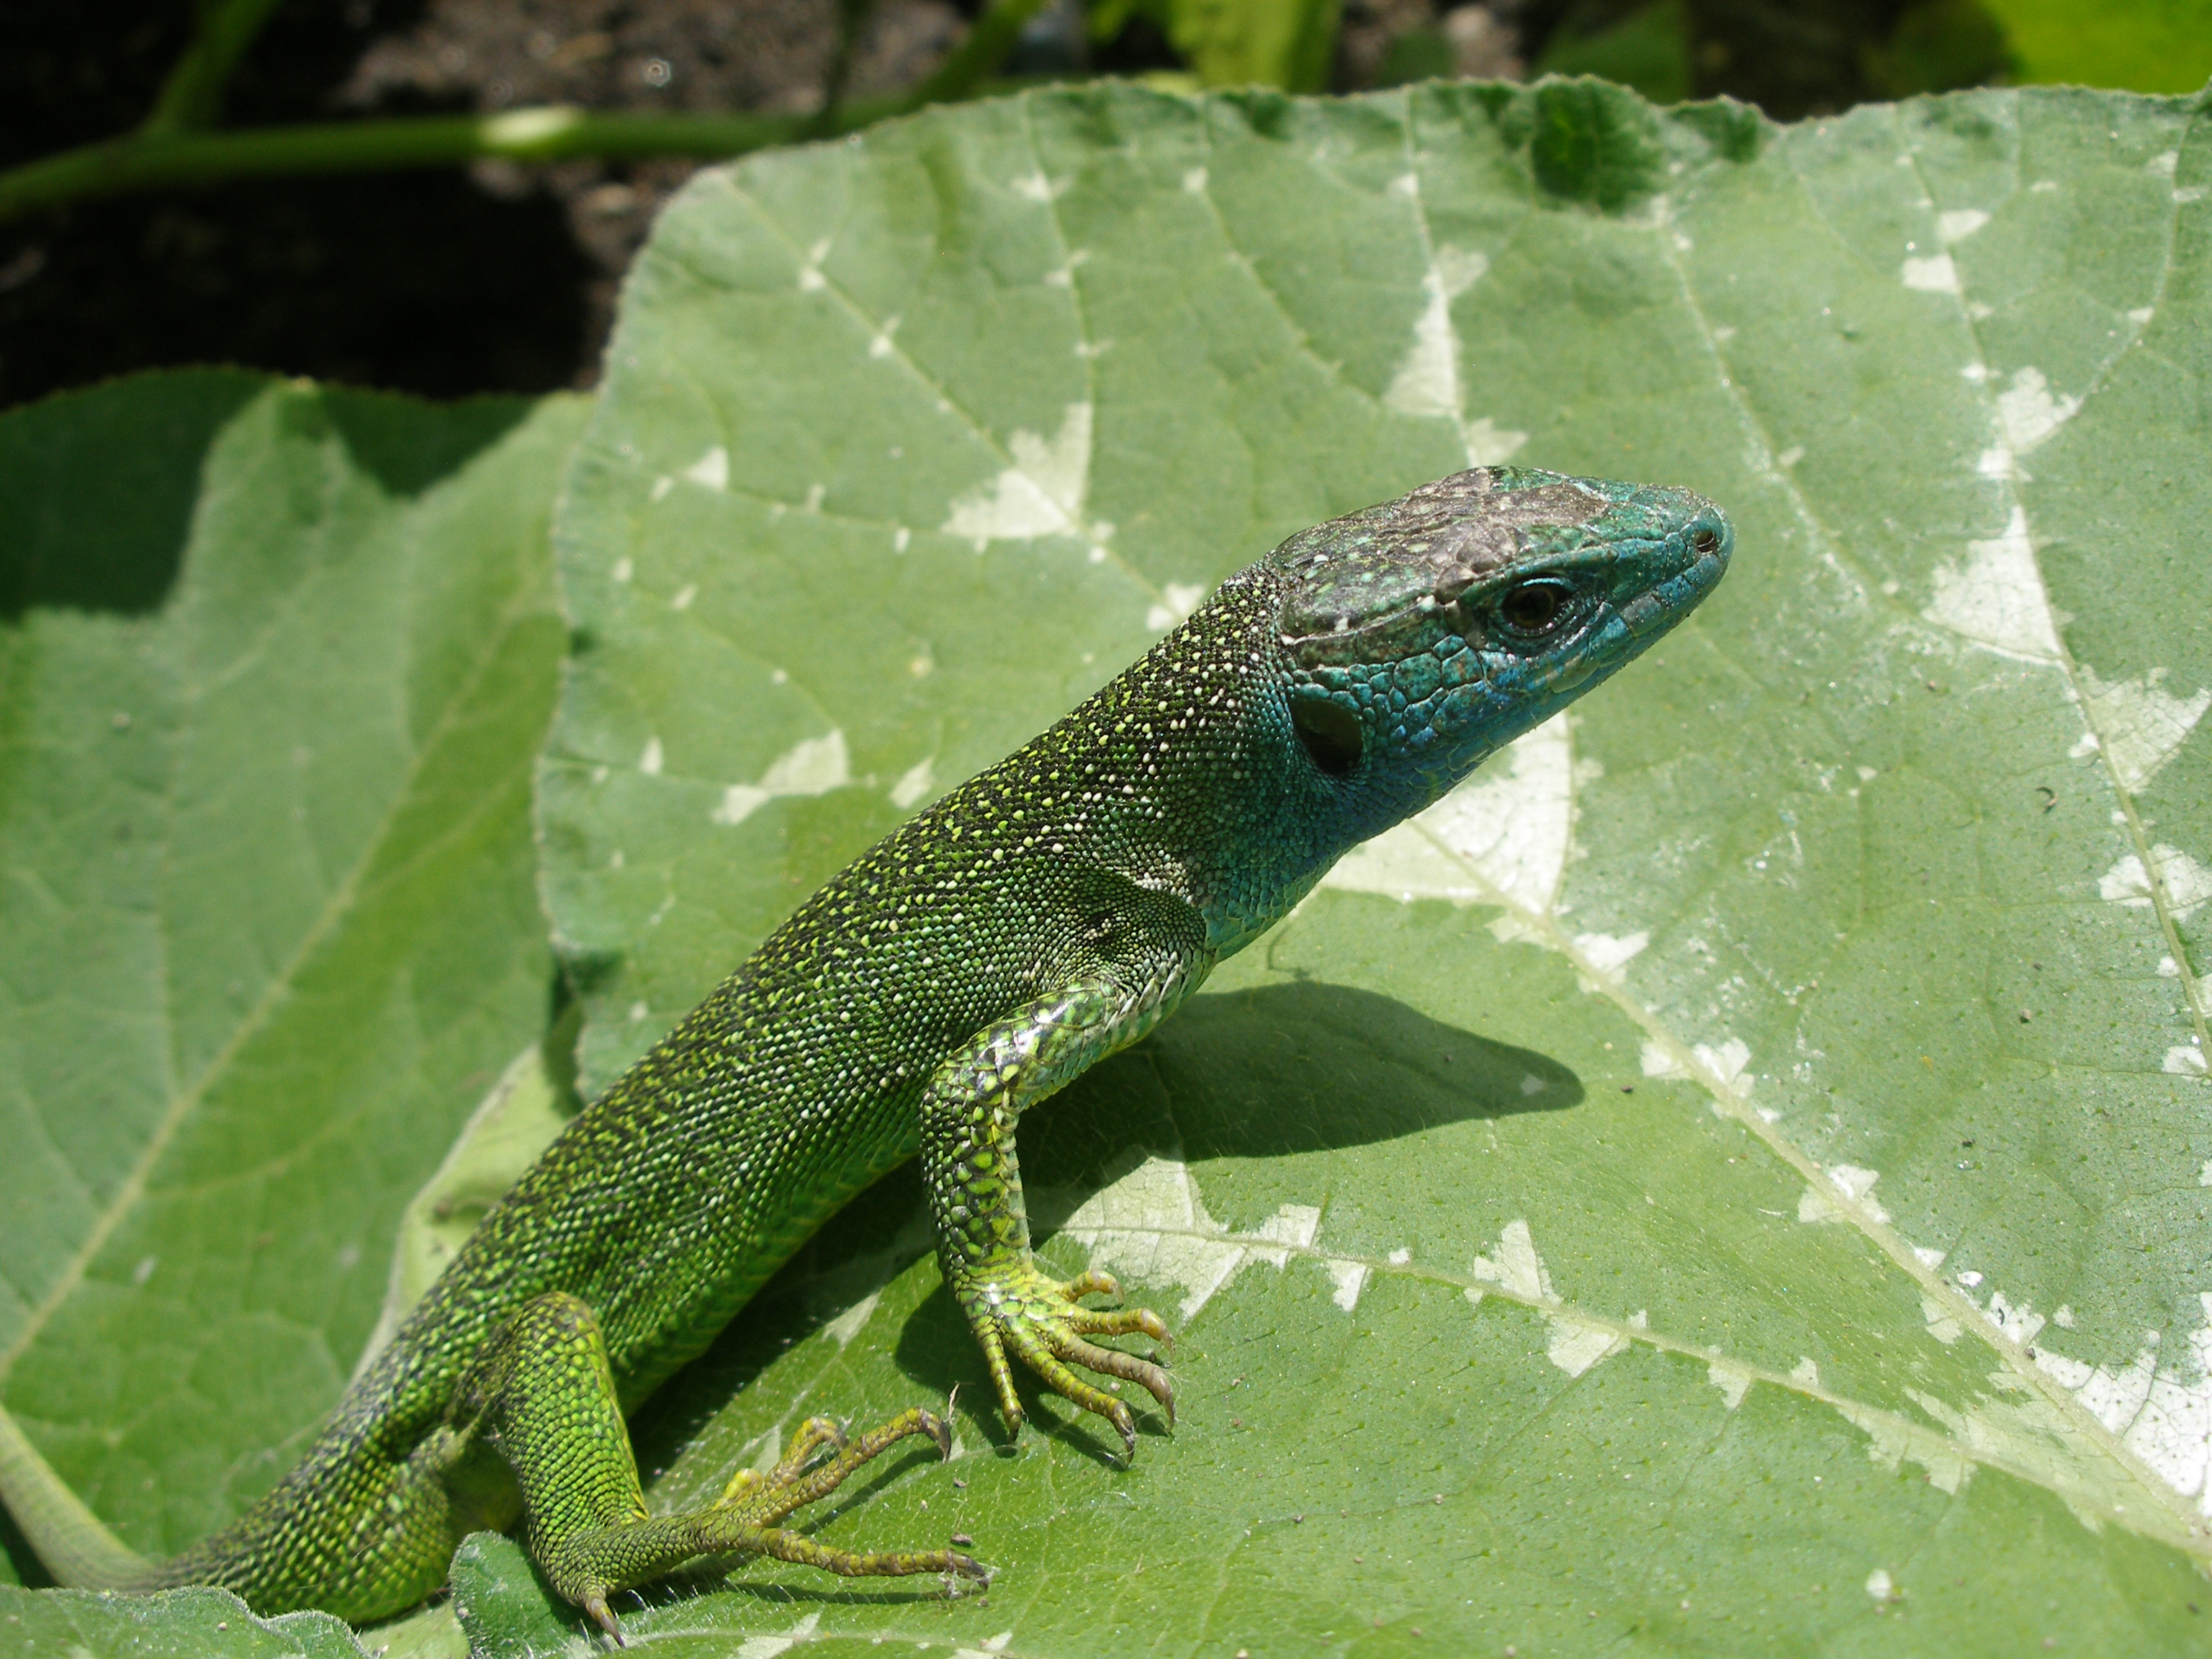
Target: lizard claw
x: 1044, y: 1325
x: 596, y: 1605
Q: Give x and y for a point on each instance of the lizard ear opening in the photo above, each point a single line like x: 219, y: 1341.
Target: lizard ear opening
x: 1330, y: 732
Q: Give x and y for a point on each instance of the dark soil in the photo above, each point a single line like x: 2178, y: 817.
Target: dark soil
x: 498, y: 279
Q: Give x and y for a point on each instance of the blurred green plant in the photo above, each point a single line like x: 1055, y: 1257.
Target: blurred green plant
x: 1944, y: 46
x: 1420, y: 54
x: 1649, y: 49
x: 1235, y: 43
x: 2142, y: 46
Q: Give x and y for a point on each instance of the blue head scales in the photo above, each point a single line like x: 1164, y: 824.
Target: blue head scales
x: 1424, y: 634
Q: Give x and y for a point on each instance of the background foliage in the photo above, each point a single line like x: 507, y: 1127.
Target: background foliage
x: 554, y: 133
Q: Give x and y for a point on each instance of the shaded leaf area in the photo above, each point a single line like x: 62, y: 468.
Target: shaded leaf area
x: 1853, y: 1296
x: 184, y: 1623
x: 267, y: 894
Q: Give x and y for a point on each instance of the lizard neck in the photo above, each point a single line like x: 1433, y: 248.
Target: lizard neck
x: 1189, y: 779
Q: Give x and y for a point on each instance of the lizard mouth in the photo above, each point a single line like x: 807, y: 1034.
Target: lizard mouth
x: 1709, y: 539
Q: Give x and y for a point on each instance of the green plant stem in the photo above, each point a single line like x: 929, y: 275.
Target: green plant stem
x: 852, y: 18
x: 192, y: 97
x: 977, y: 58
x: 147, y: 160
x: 152, y: 158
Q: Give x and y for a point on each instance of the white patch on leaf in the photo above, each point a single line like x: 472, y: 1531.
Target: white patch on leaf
x: 810, y: 279
x: 1892, y: 1441
x: 770, y: 1647
x: 1180, y: 598
x: 913, y: 784
x: 1350, y: 1278
x: 1517, y: 1268
x: 2162, y: 1413
x: 1851, y: 1183
x: 2020, y: 1323
x: 1997, y: 462
x: 1996, y: 599
x: 1040, y: 494
x: 1428, y: 384
x: 711, y: 469
x: 2143, y: 724
x: 846, y: 1325
x: 2188, y: 883
x: 1501, y: 834
x: 1575, y: 1343
x: 2028, y: 411
x: 1941, y: 1325
x: 1727, y: 1063
x: 1489, y: 443
x: 1959, y: 224
x: 1935, y: 275
x: 1733, y: 1384
x: 813, y: 766
x: 1149, y: 1224
x: 1575, y: 1348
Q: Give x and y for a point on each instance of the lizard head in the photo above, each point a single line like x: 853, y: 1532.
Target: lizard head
x: 1423, y: 634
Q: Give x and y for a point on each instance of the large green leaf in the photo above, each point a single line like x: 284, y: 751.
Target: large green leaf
x: 1727, y: 1180
x: 185, y: 1624
x: 276, y: 663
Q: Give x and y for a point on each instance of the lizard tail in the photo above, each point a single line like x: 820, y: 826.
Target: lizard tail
x: 72, y: 1541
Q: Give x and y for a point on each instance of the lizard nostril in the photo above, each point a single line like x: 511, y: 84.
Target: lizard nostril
x: 1705, y: 540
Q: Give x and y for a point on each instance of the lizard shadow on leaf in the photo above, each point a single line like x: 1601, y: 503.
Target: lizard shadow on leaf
x: 1285, y: 1069
x: 1268, y: 1072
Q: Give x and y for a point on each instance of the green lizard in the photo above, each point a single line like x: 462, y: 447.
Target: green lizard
x: 1044, y: 915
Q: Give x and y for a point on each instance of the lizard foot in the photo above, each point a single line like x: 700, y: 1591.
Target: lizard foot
x: 589, y: 1566
x: 1043, y: 1323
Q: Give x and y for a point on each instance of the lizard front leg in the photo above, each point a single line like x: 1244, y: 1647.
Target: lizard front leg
x: 974, y: 1183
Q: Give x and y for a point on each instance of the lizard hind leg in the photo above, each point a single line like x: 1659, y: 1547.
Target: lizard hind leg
x: 542, y: 1394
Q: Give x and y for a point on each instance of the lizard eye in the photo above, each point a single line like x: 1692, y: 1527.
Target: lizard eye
x: 1330, y: 732
x: 1532, y: 610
